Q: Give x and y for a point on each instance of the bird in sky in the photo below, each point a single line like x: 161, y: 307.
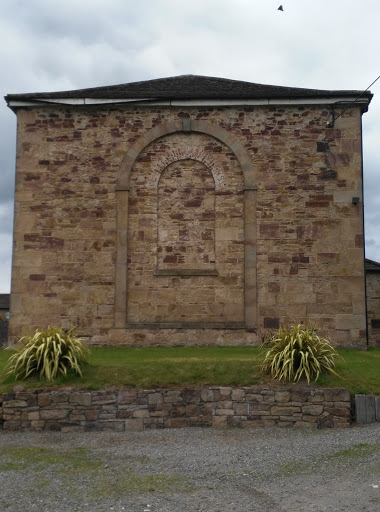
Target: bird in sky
x: 280, y: 8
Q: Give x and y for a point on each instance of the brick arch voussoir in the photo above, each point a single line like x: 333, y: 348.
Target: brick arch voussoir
x: 187, y: 125
x: 195, y: 154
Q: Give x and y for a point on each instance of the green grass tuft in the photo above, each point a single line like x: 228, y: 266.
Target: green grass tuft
x: 133, y: 483
x: 70, y: 462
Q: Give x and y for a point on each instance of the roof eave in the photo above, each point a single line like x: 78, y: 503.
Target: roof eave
x: 363, y: 102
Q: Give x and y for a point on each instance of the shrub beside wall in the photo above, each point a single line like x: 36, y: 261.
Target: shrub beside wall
x: 132, y: 410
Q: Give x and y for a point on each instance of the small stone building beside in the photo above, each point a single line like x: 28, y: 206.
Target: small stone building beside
x: 373, y: 301
x: 189, y: 210
x: 4, y: 316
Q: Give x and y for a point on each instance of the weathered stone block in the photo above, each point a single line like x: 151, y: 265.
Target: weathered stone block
x: 177, y: 411
x: 222, y: 394
x: 91, y: 414
x: 53, y: 414
x: 341, y: 412
x: 59, y: 397
x: 12, y: 416
x: 172, y: 397
x: 126, y: 397
x: 237, y: 394
x: 177, y: 422
x: 284, y: 410
x: 282, y: 396
x: 219, y: 421
x: 191, y: 395
x: 103, y: 398
x: 108, y: 412
x: 111, y: 426
x: 12, y: 425
x: 134, y: 425
x: 224, y: 412
x: 77, y: 416
x: 80, y: 398
x: 34, y: 416
x: 207, y: 395
x: 241, y: 409
x: 314, y: 410
x: 291, y: 418
x: 193, y: 410
x: 316, y: 398
x: 155, y: 398
x: 337, y: 395
x: 224, y: 404
x: 37, y: 425
x: 304, y: 424
x: 15, y: 403
x: 141, y: 413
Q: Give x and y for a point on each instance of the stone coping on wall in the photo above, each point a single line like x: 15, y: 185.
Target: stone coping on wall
x: 122, y: 410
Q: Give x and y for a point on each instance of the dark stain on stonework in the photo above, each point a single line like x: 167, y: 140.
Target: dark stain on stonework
x: 328, y: 174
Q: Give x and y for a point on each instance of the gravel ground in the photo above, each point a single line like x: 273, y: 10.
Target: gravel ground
x: 195, y: 469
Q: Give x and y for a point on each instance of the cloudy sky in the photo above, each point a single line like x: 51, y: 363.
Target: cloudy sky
x: 51, y: 45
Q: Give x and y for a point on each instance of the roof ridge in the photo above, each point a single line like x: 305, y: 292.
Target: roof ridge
x: 190, y: 87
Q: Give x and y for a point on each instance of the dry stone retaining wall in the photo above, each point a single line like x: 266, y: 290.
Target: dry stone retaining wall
x: 131, y: 410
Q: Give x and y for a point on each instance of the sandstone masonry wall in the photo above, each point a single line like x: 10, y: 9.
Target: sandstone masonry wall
x: 373, y: 307
x: 129, y: 409
x: 308, y: 263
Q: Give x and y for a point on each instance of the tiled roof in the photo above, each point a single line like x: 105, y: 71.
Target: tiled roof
x: 190, y: 87
x: 372, y: 266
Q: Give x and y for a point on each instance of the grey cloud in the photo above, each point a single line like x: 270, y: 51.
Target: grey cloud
x: 6, y: 216
x: 5, y: 264
x: 7, y: 159
x: 86, y: 22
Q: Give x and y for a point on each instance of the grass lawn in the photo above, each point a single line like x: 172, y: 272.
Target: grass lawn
x: 197, y: 366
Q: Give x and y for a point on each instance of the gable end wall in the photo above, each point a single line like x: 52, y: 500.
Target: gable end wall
x: 307, y: 263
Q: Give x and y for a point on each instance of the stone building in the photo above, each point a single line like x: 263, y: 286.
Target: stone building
x: 373, y: 301
x: 4, y: 316
x: 189, y: 210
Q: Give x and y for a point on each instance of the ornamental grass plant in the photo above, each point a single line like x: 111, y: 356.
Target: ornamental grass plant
x: 298, y: 353
x: 47, y: 354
